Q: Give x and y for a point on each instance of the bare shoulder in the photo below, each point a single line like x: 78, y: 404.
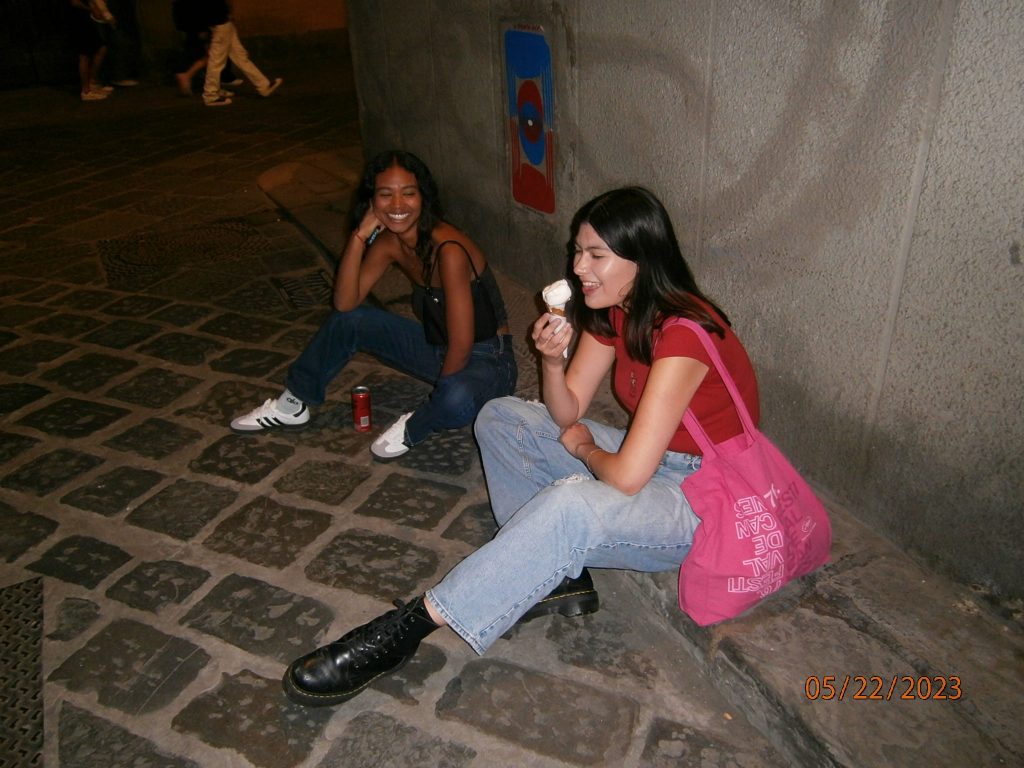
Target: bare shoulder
x: 386, y: 244
x: 445, y: 233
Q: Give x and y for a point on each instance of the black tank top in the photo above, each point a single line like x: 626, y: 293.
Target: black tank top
x: 489, y: 312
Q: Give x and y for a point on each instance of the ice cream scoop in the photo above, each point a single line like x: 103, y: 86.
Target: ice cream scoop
x: 556, y: 296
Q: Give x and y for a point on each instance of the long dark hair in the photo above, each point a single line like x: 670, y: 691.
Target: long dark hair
x: 636, y: 226
x: 431, y: 214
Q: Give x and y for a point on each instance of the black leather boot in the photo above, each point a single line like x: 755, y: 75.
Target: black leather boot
x: 573, y: 597
x: 338, y: 671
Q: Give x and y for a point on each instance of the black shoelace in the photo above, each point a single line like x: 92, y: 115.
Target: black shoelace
x: 374, y: 637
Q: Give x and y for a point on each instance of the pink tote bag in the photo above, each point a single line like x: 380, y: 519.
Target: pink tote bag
x: 761, y: 524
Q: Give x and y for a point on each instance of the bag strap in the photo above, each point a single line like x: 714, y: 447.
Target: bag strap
x: 433, y: 262
x: 689, y: 420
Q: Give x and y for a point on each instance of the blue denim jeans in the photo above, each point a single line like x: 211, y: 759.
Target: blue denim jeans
x: 400, y: 343
x: 555, y: 519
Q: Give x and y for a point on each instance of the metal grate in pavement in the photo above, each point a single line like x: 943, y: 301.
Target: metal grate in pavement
x: 21, y: 674
x: 305, y: 291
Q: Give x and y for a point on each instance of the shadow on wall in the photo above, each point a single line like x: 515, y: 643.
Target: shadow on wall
x: 844, y: 183
x: 913, y: 503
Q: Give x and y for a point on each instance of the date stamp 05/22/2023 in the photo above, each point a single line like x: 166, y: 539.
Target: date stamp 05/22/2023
x: 883, y: 688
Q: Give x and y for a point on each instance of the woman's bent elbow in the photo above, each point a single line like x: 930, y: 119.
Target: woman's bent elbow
x: 627, y: 489
x: 631, y: 489
x: 630, y: 486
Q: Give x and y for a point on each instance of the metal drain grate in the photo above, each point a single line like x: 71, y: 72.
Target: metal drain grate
x: 21, y: 674
x: 305, y: 291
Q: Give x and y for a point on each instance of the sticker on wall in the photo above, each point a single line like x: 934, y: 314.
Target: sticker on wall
x: 530, y: 111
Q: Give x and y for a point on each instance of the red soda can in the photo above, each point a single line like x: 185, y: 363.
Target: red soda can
x: 361, y: 409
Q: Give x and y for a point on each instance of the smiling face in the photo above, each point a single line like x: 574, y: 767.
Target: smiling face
x: 397, y: 202
x: 607, y: 278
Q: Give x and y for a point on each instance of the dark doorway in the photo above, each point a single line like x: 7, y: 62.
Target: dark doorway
x: 34, y: 47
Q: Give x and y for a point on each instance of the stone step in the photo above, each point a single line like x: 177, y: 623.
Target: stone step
x: 871, y: 661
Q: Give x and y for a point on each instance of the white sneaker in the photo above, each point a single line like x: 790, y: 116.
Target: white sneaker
x: 268, y: 417
x: 93, y: 96
x: 391, y: 444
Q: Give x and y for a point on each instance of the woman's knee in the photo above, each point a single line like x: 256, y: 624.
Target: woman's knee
x: 338, y: 316
x: 570, y: 505
x: 457, y: 399
x: 501, y: 413
x: 337, y: 321
x: 351, y: 326
x: 497, y: 410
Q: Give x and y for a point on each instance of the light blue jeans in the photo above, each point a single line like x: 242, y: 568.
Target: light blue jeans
x: 555, y: 519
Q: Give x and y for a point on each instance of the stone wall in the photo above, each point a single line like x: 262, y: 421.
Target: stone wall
x: 845, y: 177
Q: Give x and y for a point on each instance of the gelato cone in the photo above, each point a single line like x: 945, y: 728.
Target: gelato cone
x: 556, y: 296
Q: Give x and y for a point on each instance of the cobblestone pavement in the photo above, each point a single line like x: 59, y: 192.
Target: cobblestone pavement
x: 158, y: 571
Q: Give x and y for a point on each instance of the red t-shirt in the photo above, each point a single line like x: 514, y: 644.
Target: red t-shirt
x: 711, y: 404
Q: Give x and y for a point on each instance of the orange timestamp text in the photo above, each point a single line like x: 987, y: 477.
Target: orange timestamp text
x: 883, y: 688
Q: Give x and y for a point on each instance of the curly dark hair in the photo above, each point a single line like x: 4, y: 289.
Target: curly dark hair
x: 431, y: 214
x: 636, y: 226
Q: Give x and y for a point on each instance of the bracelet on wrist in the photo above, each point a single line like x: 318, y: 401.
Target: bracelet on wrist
x: 587, y: 460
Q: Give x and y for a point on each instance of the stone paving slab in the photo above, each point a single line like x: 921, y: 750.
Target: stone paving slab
x: 267, y: 532
x: 88, y: 372
x: 132, y: 667
x: 152, y: 586
x: 50, y: 471
x: 489, y: 695
x: 112, y: 493
x: 21, y: 531
x: 276, y: 734
x: 260, y: 617
x: 154, y: 439
x: 12, y: 445
x: 14, y: 396
x: 373, y: 738
x: 87, y: 741
x: 374, y: 564
x: 182, y: 509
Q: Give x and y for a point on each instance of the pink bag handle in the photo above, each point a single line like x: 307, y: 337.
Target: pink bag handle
x: 690, y: 421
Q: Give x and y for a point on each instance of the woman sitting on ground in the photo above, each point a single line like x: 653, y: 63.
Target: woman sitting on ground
x: 461, y: 345
x: 570, y: 493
